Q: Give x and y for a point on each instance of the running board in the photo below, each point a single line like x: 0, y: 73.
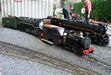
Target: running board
x: 47, y: 41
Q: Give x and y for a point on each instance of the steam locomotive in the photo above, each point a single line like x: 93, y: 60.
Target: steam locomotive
x: 95, y: 31
x: 76, y: 35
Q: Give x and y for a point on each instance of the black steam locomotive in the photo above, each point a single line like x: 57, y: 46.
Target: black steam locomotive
x: 76, y: 35
x: 95, y: 31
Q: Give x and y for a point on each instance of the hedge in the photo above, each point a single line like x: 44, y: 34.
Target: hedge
x: 101, y: 9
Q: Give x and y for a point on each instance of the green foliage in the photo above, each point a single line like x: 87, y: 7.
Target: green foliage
x: 77, y: 7
x: 101, y: 9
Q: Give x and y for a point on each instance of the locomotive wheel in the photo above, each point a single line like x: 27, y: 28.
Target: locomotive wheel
x: 57, y: 41
x: 103, y: 40
x: 26, y: 30
x: 35, y: 32
x: 77, y: 52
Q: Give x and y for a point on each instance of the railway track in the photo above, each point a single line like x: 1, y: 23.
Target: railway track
x: 97, y: 61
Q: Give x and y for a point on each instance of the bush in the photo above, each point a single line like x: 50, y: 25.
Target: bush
x: 101, y: 9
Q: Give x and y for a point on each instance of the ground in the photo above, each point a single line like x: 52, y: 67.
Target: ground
x: 10, y: 65
x: 23, y: 61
